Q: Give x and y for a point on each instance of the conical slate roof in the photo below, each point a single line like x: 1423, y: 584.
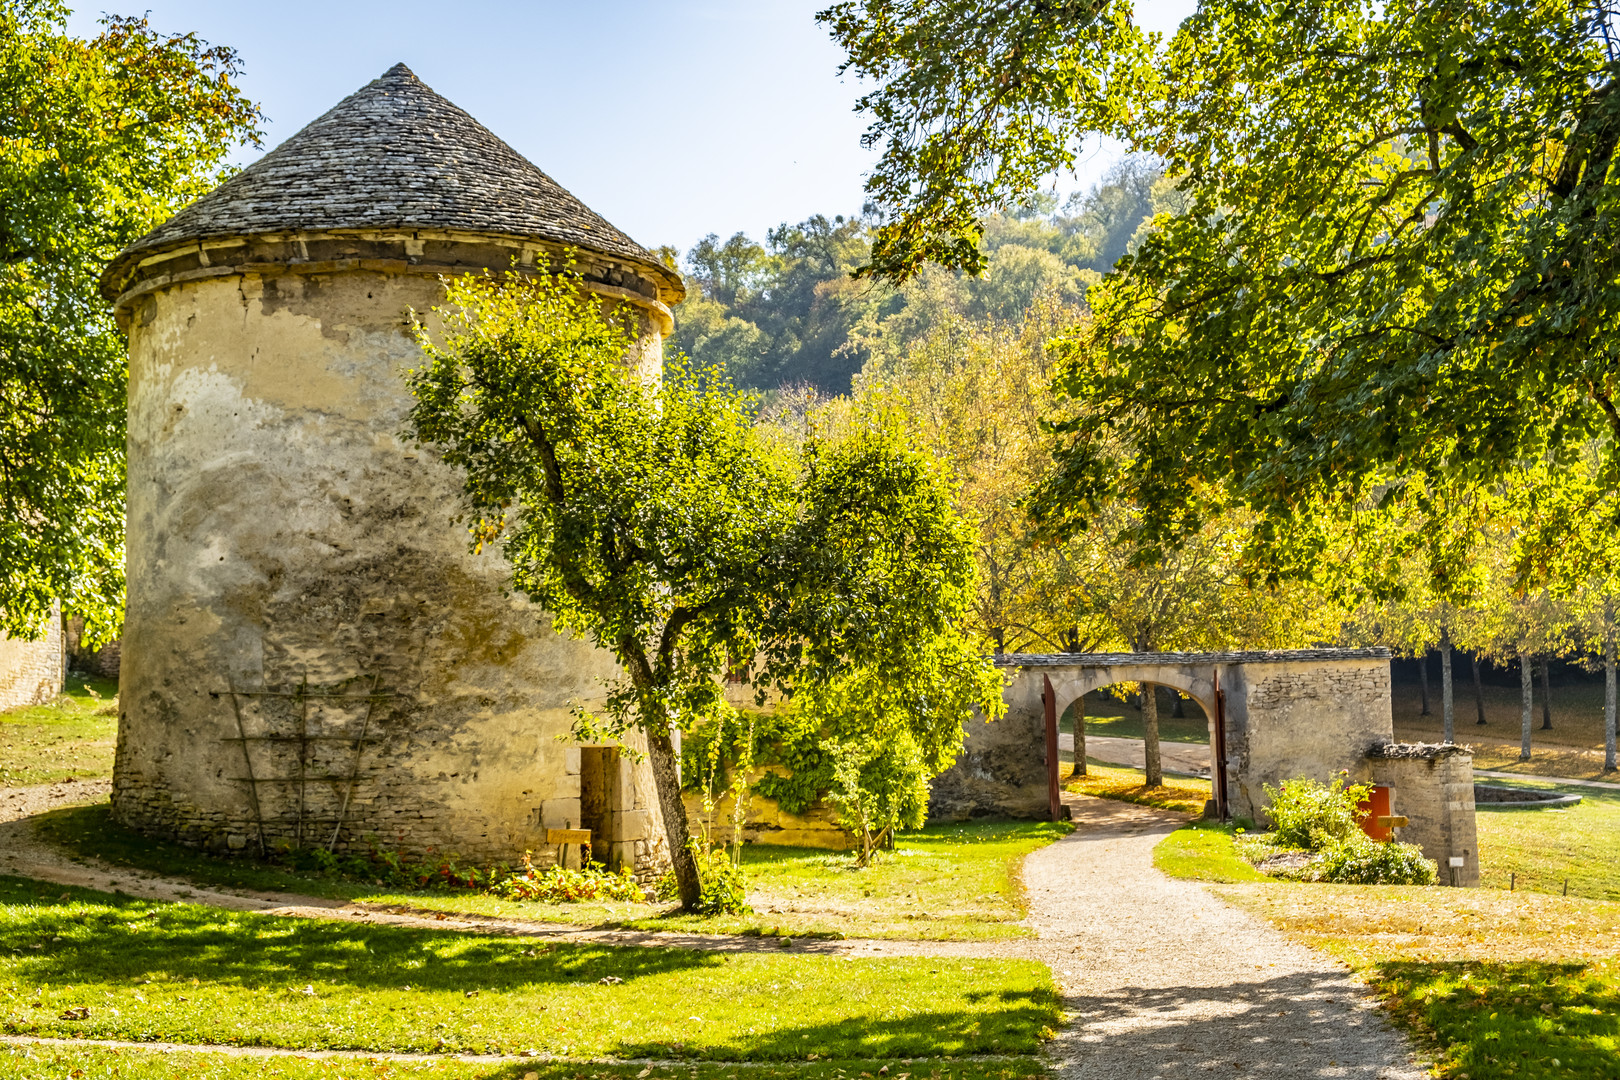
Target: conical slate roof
x: 393, y: 154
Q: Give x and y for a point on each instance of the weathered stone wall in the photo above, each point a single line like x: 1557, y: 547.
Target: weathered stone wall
x: 102, y: 661
x: 1294, y: 718
x: 31, y: 672
x: 768, y: 823
x: 1433, y: 787
x: 281, y: 533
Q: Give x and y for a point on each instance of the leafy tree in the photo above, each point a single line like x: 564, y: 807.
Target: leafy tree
x: 100, y: 140
x: 656, y: 521
x: 1395, y: 260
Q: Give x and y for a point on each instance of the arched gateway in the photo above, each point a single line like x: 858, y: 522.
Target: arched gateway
x: 1274, y: 716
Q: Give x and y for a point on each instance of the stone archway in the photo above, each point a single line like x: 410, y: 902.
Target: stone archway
x: 1289, y: 713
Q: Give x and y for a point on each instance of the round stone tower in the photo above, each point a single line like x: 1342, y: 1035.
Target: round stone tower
x: 311, y: 654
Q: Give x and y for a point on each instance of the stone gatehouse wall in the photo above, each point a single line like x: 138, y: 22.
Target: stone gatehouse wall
x: 1432, y: 786
x: 1289, y: 713
x: 31, y: 672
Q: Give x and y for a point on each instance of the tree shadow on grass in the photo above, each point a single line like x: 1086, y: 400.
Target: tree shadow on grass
x: 383, y: 987
x: 1493, y: 1015
x: 69, y: 934
x: 1007, y: 1022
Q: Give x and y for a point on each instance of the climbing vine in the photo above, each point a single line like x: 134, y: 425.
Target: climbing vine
x: 798, y: 771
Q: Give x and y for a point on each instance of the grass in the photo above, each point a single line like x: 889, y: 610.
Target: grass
x: 1497, y: 985
x: 190, y: 974
x: 1108, y: 716
x: 1543, y: 849
x: 97, y: 1063
x: 1184, y: 794
x: 947, y: 882
x: 1203, y: 851
x: 1573, y: 748
x: 73, y: 736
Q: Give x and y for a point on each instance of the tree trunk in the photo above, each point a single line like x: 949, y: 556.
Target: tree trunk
x: 1150, y: 735
x: 1423, y: 680
x: 1608, y: 686
x: 1448, y: 716
x: 1180, y: 711
x: 667, y: 782
x: 1479, y: 692
x: 1079, y: 737
x: 1527, y: 694
x: 1546, y: 694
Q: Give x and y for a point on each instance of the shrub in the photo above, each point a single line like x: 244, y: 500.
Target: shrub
x: 1310, y: 815
x: 558, y: 884
x: 724, y: 891
x: 1360, y: 860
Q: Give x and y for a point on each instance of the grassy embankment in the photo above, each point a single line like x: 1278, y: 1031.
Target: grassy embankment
x: 71, y: 737
x: 85, y: 964
x: 1497, y: 985
x: 950, y: 882
x: 90, y: 1063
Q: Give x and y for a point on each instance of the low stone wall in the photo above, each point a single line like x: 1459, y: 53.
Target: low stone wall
x: 768, y: 823
x: 31, y: 672
x: 1432, y: 786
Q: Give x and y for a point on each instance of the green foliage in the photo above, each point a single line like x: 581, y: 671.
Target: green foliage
x: 1309, y: 815
x: 797, y: 771
x: 786, y: 314
x: 562, y: 885
x: 974, y: 105
x: 1358, y: 859
x: 1391, y: 277
x: 100, y: 141
x: 725, y: 886
x: 650, y: 517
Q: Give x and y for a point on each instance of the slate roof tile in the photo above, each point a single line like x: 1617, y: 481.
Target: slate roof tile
x: 394, y: 153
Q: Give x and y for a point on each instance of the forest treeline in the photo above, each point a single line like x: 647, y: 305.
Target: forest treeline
x: 968, y: 365
x: 787, y: 312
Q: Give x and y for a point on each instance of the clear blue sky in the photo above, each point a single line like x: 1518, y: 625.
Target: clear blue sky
x: 672, y: 119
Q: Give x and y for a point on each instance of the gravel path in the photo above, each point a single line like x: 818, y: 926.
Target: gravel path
x: 1161, y: 980
x: 1165, y: 981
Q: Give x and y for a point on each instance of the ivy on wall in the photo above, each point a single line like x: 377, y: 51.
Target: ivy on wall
x: 798, y: 772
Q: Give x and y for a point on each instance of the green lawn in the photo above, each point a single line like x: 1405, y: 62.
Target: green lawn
x: 1184, y: 794
x: 80, y: 963
x: 95, y: 1063
x: 1544, y: 848
x: 73, y: 736
x: 1203, y: 851
x: 1107, y: 715
x: 947, y: 882
x: 1498, y: 986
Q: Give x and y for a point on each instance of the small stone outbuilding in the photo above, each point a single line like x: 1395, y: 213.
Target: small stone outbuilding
x: 311, y: 654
